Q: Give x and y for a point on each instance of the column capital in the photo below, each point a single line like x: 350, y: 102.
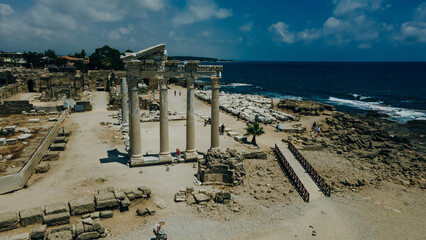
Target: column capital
x: 163, y: 83
x: 190, y: 82
x: 215, y: 81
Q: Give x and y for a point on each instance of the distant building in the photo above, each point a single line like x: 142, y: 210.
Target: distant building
x: 65, y: 68
x: 72, y: 60
x: 11, y: 59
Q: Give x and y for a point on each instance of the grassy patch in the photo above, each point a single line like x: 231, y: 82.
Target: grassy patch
x: 101, y: 180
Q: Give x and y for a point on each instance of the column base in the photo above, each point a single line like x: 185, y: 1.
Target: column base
x: 137, y: 161
x: 190, y: 156
x: 165, y: 157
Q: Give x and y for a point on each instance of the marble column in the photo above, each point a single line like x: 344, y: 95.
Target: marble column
x: 215, y: 113
x: 136, y: 158
x: 190, y: 152
x: 124, y: 117
x: 164, y: 122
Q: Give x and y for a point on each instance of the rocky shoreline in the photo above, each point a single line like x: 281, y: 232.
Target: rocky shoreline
x: 384, y: 149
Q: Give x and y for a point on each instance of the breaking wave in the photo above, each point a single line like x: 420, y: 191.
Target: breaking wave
x: 395, y: 113
x: 237, y: 85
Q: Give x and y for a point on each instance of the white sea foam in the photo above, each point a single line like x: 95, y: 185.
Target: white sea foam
x: 238, y: 85
x: 398, y: 114
x: 282, y: 96
x: 360, y: 97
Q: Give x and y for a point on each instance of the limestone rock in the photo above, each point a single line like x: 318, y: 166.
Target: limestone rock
x: 57, y: 219
x: 42, y: 167
x: 31, y: 216
x: 201, y: 197
x: 57, y: 207
x: 22, y: 236
x: 62, y: 235
x: 8, y: 221
x: 82, y: 205
x: 38, y: 232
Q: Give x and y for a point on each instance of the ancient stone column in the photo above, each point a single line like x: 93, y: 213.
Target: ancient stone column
x: 136, y: 158
x: 215, y: 113
x: 52, y: 92
x: 190, y: 152
x: 69, y: 91
x: 124, y: 117
x: 164, y: 122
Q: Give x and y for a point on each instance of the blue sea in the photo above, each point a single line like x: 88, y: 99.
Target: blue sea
x: 397, y: 89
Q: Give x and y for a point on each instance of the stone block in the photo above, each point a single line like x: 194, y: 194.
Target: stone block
x: 151, y: 211
x: 106, y: 214
x: 82, y: 205
x: 60, y: 229
x: 179, y: 197
x: 96, y: 225
x: 57, y: 219
x: 88, y: 235
x: 42, y: 167
x: 240, y: 139
x: 190, y: 199
x: 58, y: 207
x: 63, y: 235
x: 79, y: 228
x: 2, y: 141
x: 104, y: 196
x: 201, y: 197
x: 138, y: 193
x: 11, y: 141
x: 38, y: 232
x: 232, y: 134
x: 51, y: 156
x: 22, y: 236
x: 145, y: 190
x: 131, y: 196
x: 107, y: 204
x: 57, y: 147
x: 60, y: 140
x: 8, y: 221
x: 119, y: 194
x: 95, y: 215
x: 255, y: 155
x: 31, y: 216
x: 124, y: 205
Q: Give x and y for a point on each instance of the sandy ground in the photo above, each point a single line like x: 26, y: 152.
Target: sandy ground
x: 93, y: 153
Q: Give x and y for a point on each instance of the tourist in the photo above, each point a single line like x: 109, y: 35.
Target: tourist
x: 159, y: 231
x: 205, y: 122
x: 222, y: 129
x: 180, y: 92
x: 314, y: 126
x: 318, y: 130
x: 278, y: 126
x: 175, y: 93
x: 178, y: 154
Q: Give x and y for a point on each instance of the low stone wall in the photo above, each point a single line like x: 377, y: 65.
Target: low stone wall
x: 16, y: 181
x: 91, y: 208
x: 9, y: 90
x: 15, y: 107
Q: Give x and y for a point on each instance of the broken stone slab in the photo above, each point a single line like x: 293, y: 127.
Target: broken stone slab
x: 131, y: 196
x: 22, y: 236
x: 58, y: 147
x: 57, y: 219
x: 60, y: 229
x: 31, y: 216
x: 8, y: 221
x: 24, y: 136
x: 145, y: 190
x: 52, y: 208
x: 11, y: 141
x: 63, y: 235
x: 88, y: 235
x: 51, y: 156
x: 38, y: 232
x: 255, y: 155
x: 232, y: 134
x: 78, y: 228
x: 106, y: 200
x: 179, y: 197
x: 34, y: 120
x: 201, y: 197
x: 82, y: 205
x: 60, y: 140
x: 42, y: 167
x: 138, y: 193
x: 240, y: 138
x: 2, y: 141
x: 106, y: 214
x: 190, y: 199
x: 124, y: 205
x: 119, y: 194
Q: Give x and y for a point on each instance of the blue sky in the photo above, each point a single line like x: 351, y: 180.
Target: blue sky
x: 286, y: 30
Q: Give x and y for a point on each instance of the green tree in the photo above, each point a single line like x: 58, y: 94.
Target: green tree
x: 82, y: 54
x: 61, y: 62
x: 129, y: 51
x: 32, y: 59
x: 50, y: 53
x: 106, y: 58
x: 254, y: 130
x: 81, y: 66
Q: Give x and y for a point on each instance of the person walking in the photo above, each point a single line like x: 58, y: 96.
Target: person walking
x: 278, y: 127
x: 159, y: 231
x: 175, y: 93
x: 180, y: 92
x: 222, y: 129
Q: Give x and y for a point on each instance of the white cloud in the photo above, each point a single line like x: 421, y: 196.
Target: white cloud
x: 200, y: 10
x: 414, y: 30
x: 352, y: 21
x: 246, y: 27
x: 281, y: 29
x: 6, y: 9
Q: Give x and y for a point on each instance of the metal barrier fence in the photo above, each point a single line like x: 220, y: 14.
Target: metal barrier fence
x: 293, y: 177
x: 325, y: 188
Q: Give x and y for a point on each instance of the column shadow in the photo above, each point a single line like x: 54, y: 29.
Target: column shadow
x: 115, y: 156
